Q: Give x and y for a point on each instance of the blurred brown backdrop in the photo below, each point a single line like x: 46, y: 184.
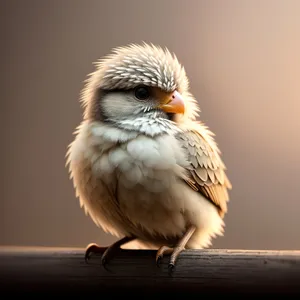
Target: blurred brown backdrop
x: 243, y: 61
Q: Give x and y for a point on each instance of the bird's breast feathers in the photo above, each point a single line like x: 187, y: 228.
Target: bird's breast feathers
x: 126, y: 181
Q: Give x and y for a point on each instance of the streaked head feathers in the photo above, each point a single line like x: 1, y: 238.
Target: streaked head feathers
x: 129, y: 66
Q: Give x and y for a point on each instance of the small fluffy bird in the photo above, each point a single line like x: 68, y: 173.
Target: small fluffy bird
x: 143, y: 167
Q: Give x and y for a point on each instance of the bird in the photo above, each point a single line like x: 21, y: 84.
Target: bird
x: 144, y: 167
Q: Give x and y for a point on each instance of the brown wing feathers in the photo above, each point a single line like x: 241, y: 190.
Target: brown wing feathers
x: 207, y: 171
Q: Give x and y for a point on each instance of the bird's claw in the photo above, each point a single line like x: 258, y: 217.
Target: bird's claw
x: 94, y: 249
x: 103, y: 261
x: 167, y: 250
x: 160, y: 254
x: 107, y: 252
x: 171, y: 267
x: 158, y: 260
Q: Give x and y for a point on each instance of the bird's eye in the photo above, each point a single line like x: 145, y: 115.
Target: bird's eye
x: 142, y: 93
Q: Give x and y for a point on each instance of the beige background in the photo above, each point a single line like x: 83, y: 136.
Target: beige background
x: 243, y: 61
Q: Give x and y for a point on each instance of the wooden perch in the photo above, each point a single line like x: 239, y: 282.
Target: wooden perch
x: 205, y: 271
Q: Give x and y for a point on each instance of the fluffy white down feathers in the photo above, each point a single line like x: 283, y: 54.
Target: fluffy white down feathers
x: 135, y: 180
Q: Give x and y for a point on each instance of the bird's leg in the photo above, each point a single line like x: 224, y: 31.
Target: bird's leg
x: 107, y: 252
x: 176, y: 250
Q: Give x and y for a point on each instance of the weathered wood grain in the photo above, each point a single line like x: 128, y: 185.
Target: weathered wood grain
x: 134, y: 271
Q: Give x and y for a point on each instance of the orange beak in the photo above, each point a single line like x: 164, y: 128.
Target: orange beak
x: 172, y: 103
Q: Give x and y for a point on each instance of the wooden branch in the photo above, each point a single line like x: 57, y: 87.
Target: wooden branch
x: 135, y: 271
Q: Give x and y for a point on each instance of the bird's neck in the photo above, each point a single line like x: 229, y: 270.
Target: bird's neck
x: 121, y: 131
x: 148, y: 126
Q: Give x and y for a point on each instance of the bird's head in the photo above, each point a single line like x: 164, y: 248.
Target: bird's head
x: 138, y: 84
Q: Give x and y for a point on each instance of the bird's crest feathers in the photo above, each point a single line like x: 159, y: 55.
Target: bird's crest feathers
x: 128, y: 66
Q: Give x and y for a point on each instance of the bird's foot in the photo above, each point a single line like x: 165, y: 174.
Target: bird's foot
x: 176, y: 250
x: 165, y: 250
x: 107, y: 252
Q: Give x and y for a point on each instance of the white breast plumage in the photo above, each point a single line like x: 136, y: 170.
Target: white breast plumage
x: 139, y: 179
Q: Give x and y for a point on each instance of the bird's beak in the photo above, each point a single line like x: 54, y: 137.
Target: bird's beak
x: 172, y: 103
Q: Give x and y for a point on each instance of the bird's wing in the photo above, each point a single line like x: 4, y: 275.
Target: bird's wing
x: 206, y: 173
